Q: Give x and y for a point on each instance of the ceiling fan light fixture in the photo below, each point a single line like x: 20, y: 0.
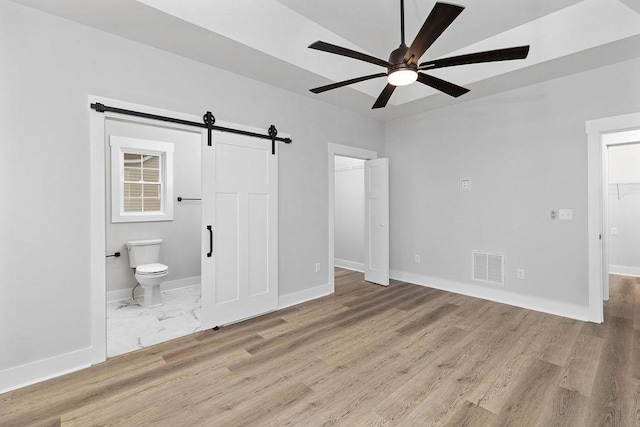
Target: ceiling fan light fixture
x: 402, y: 77
x: 403, y: 66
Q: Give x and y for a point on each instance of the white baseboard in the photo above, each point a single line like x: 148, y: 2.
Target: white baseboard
x: 624, y: 271
x: 294, y: 298
x: 349, y: 265
x: 500, y: 295
x: 41, y: 370
x: 120, y: 294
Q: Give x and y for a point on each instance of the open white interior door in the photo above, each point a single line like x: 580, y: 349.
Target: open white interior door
x: 376, y: 221
x: 240, y: 203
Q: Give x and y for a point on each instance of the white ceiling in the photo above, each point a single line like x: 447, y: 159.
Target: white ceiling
x: 267, y: 40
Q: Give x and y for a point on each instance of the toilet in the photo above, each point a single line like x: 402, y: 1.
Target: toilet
x: 143, y: 257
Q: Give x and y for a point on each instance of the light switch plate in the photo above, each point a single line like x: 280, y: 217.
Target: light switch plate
x: 565, y: 214
x: 614, y: 231
x: 465, y: 184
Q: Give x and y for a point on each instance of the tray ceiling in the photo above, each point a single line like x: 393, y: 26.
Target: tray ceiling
x: 267, y: 40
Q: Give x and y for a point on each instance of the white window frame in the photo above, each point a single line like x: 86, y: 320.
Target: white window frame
x: 120, y: 145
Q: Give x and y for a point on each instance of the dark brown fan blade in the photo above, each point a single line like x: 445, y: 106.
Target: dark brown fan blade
x: 442, y: 85
x: 331, y: 48
x: 346, y: 83
x: 384, y: 96
x: 507, y: 54
x: 441, y: 16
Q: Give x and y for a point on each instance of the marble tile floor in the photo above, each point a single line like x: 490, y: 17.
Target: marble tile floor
x: 131, y: 327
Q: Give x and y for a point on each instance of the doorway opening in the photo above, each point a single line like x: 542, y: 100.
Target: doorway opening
x: 234, y: 158
x: 349, y: 246
x: 622, y: 205
x: 603, y: 135
x: 99, y: 151
x: 369, y: 175
x: 621, y: 224
x: 144, y: 307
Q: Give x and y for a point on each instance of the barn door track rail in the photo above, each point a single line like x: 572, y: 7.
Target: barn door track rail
x: 208, y: 122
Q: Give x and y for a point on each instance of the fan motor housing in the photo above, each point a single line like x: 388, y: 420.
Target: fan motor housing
x: 397, y: 59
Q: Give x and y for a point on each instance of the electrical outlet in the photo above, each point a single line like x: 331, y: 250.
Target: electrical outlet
x: 554, y: 214
x: 417, y: 258
x: 317, y: 267
x: 520, y: 273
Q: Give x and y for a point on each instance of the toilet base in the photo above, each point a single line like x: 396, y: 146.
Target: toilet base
x: 152, y: 297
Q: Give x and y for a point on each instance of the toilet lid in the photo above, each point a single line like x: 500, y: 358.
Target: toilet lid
x: 152, y: 268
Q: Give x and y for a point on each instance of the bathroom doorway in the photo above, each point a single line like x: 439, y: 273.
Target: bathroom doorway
x: 155, y: 197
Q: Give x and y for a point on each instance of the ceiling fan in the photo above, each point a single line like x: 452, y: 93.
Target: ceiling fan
x: 402, y: 66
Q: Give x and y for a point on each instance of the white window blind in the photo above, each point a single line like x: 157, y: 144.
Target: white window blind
x: 142, y: 184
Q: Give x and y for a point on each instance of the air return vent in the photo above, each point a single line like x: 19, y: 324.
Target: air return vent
x: 488, y: 267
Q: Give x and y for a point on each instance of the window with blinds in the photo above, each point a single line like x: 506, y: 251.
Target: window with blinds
x: 142, y: 186
x: 141, y: 180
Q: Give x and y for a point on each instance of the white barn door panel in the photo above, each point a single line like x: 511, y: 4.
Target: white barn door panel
x: 376, y: 221
x: 240, y: 197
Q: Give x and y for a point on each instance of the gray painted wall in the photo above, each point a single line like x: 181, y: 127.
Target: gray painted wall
x: 349, y: 211
x: 181, y: 237
x: 525, y: 152
x: 49, y: 66
x: 624, y: 212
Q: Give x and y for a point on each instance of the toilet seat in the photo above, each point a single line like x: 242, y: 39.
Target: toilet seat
x: 152, y: 269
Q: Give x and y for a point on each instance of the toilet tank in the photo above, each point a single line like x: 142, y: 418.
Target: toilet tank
x: 143, y: 251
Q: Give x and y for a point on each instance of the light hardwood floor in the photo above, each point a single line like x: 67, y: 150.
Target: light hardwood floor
x: 368, y: 355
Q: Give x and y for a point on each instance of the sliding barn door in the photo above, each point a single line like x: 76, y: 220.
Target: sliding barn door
x: 240, y: 250
x: 376, y: 221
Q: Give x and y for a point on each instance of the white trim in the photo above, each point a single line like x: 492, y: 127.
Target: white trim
x: 349, y: 167
x: 347, y: 151
x: 304, y: 295
x: 171, y: 285
x: 41, y: 370
x: 497, y: 294
x: 624, y: 270
x: 597, y: 195
x: 349, y: 265
x: 97, y: 235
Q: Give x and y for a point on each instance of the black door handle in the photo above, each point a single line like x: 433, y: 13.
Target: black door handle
x: 210, y: 241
